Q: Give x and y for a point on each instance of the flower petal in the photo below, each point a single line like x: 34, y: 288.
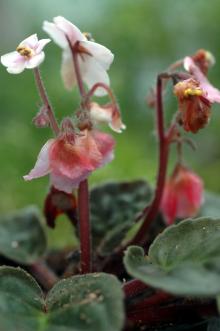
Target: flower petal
x: 35, y: 61
x: 92, y: 73
x: 105, y: 144
x: 41, y: 44
x: 30, y: 41
x: 18, y: 68
x: 101, y: 53
x: 69, y: 29
x: 67, y: 69
x: 56, y: 34
x: 42, y: 166
x: 213, y: 94
x: 11, y: 59
x: 66, y: 184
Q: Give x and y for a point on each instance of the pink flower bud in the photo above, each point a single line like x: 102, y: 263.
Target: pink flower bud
x: 183, y: 195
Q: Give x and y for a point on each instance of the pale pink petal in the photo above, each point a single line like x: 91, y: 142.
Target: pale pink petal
x: 69, y: 29
x: 67, y: 184
x: 11, y: 59
x: 18, y: 68
x: 100, y: 114
x: 56, y: 34
x: 41, y: 44
x: 105, y: 144
x: 92, y: 73
x: 67, y: 69
x: 42, y: 166
x: 101, y: 53
x: 35, y: 61
x: 30, y: 41
x: 213, y: 94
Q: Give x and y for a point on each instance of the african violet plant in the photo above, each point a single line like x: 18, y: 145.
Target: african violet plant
x: 134, y: 268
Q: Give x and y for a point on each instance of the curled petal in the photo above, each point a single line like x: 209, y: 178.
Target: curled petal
x: 69, y: 29
x: 56, y: 34
x: 105, y: 144
x: 213, y: 94
x: 101, y: 53
x: 41, y: 44
x: 92, y: 73
x: 42, y: 166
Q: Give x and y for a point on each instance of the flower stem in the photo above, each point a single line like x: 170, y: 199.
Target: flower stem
x: 105, y: 87
x: 45, y: 100
x: 75, y: 55
x: 45, y: 276
x: 84, y: 227
x: 153, y: 209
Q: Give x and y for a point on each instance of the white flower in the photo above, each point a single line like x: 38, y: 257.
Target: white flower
x: 94, y: 59
x: 29, y: 54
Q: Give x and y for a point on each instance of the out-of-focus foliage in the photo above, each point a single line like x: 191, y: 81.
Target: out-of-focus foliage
x: 145, y: 36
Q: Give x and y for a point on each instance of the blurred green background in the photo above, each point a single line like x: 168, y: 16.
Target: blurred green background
x: 145, y: 36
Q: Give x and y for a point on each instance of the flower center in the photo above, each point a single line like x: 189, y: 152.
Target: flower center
x: 192, y: 92
x: 25, y: 51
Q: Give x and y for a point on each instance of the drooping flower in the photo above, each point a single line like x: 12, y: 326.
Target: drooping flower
x: 194, y: 105
x: 107, y: 114
x: 183, y: 195
x: 70, y: 158
x: 28, y: 55
x: 94, y: 59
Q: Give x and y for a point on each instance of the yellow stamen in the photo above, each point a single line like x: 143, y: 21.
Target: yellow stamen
x: 88, y: 36
x: 192, y: 92
x: 25, y: 51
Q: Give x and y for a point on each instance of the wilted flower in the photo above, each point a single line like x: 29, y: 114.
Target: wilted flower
x: 108, y: 114
x: 29, y: 54
x: 71, y: 158
x: 183, y: 194
x: 94, y: 59
x: 194, y: 105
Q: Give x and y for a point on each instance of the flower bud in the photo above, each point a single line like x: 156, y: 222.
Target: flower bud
x: 41, y: 120
x: 183, y: 195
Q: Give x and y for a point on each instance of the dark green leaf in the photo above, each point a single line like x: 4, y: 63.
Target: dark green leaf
x: 22, y: 236
x: 183, y: 260
x: 214, y: 324
x: 114, y: 207
x: 91, y: 302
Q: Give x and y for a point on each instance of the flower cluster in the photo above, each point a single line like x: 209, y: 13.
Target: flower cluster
x: 78, y: 148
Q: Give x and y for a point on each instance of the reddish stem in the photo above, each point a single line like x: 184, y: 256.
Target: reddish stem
x: 45, y: 276
x: 153, y: 209
x: 75, y: 55
x: 84, y: 227
x: 105, y: 87
x: 134, y: 287
x: 42, y: 91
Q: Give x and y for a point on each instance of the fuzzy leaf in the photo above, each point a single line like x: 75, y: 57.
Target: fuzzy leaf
x: 22, y: 236
x: 183, y: 260
x: 92, y: 302
x: 114, y: 207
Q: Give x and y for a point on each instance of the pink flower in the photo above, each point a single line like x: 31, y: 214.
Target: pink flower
x: 29, y: 54
x: 108, y: 114
x: 71, y: 158
x: 212, y: 93
x: 94, y: 59
x: 183, y: 195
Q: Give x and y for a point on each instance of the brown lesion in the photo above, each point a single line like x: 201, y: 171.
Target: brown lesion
x: 25, y: 51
